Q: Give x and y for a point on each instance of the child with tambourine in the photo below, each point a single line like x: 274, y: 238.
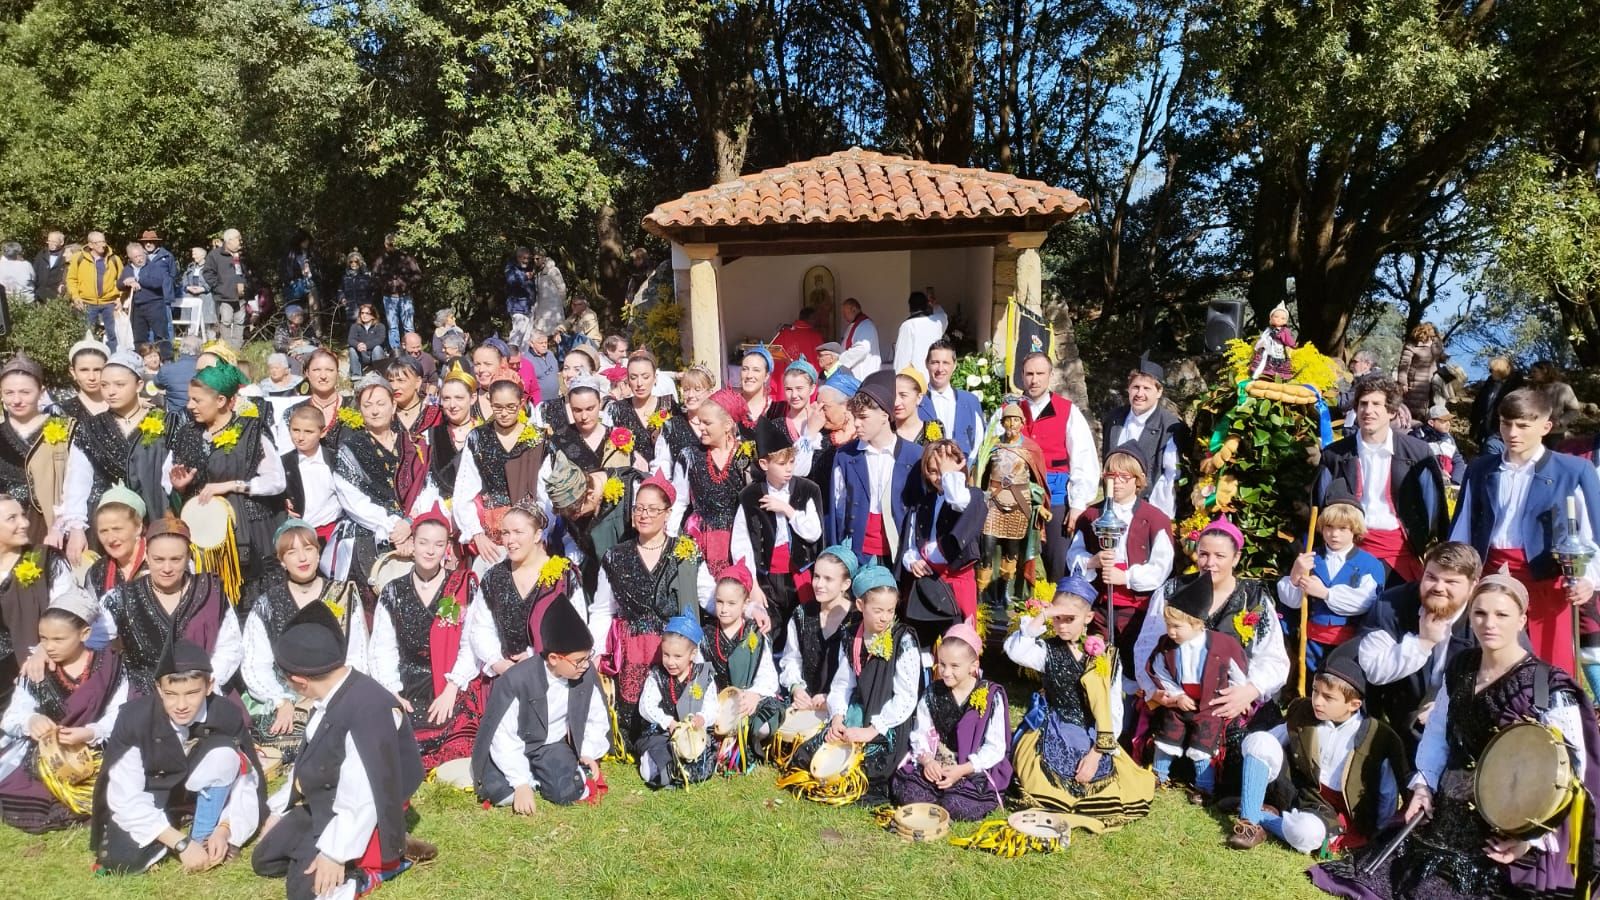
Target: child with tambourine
x: 741, y: 658
x: 679, y: 695
x: 961, y: 737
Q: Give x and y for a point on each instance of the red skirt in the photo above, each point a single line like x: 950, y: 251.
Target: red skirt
x: 452, y: 740
x: 1549, y: 614
x: 629, y: 658
x: 964, y: 584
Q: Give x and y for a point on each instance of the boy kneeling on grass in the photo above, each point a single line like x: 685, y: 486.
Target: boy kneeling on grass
x: 1191, y: 664
x: 1340, y: 784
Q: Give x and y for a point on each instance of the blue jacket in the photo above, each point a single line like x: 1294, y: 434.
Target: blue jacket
x: 969, y: 418
x: 1358, y: 563
x: 1543, y: 519
x: 157, y: 279
x: 847, y: 519
x: 174, y: 378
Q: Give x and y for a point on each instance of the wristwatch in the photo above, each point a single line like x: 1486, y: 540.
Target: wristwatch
x: 182, y: 844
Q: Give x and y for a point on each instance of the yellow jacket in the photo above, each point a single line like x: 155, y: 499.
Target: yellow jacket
x: 81, y: 280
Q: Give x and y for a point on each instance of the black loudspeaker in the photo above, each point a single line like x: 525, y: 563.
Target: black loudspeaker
x: 1224, y: 321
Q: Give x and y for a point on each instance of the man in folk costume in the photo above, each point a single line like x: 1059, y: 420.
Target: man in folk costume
x: 1158, y: 432
x: 34, y: 449
x: 413, y: 410
x: 1514, y: 511
x: 126, y: 444
x: 1393, y: 475
x: 546, y: 725
x: 876, y: 479
x: 958, y: 412
x: 338, y: 824
x: 181, y: 752
x: 1072, y: 466
x: 499, y: 467
x: 778, y: 529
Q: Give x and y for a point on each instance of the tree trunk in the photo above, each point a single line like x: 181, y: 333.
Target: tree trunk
x: 611, y: 253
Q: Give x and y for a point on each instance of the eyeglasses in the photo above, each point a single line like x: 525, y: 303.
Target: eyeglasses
x: 650, y: 510
x: 581, y: 662
x: 1119, y: 476
x: 505, y: 407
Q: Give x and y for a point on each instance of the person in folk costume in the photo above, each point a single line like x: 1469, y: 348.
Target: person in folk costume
x: 74, y: 705
x: 612, y: 452
x: 1065, y: 750
x: 679, y: 692
x: 875, y: 686
x: 1241, y: 608
x: 414, y: 411
x: 499, y: 468
x: 958, y: 412
x: 741, y: 656
x: 338, y: 823
x: 225, y: 455
x: 1139, y: 564
x: 1339, y: 580
x: 870, y: 499
x: 961, y: 735
x: 119, y: 526
x: 942, y: 532
x: 798, y: 414
x: 754, y: 392
x: 811, y: 652
x: 709, y: 478
x: 380, y: 476
x: 1155, y: 430
x: 34, y: 450
x: 546, y: 727
x: 29, y: 577
x: 125, y: 445
x: 1514, y: 510
x: 1269, y: 358
x: 681, y: 432
x: 643, y: 583
x: 778, y: 530
x: 448, y: 439
x: 1071, y: 462
x: 85, y: 359
x: 833, y: 427
x: 591, y: 516
x: 339, y: 413
x: 643, y: 412
x: 420, y: 650
x: 512, y: 590
x: 1343, y: 773
x: 580, y: 363
x: 1454, y: 853
x: 1011, y: 472
x: 183, y: 750
x: 277, y: 721
x: 308, y: 473
x: 1395, y: 477
x: 909, y: 388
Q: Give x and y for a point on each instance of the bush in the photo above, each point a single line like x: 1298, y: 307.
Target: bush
x: 45, y: 331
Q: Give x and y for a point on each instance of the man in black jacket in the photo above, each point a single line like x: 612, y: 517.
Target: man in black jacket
x: 1159, y: 433
x: 1394, y: 476
x: 50, y: 268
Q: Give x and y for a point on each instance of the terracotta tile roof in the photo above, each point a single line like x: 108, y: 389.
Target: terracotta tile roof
x: 859, y: 185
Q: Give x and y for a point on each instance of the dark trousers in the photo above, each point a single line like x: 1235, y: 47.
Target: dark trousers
x: 103, y: 315
x: 557, y: 772
x: 287, y: 851
x: 152, y: 322
x: 1056, y: 544
x: 120, y: 855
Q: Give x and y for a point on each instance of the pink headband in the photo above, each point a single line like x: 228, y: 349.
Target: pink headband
x: 660, y: 483
x: 1223, y: 526
x: 966, y: 634
x: 741, y: 573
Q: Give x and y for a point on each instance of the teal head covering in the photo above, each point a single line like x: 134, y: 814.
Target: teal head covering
x: 804, y: 367
x: 118, y: 493
x: 845, y: 556
x: 289, y: 525
x: 224, y: 378
x: 871, y: 578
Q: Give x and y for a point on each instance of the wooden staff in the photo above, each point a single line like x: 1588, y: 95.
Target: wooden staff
x: 1305, y: 608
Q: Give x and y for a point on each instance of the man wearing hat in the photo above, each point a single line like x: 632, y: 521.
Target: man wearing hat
x: 153, y: 286
x: 828, y: 357
x: 1158, y: 432
x: 546, y: 726
x: 1436, y: 433
x: 876, y: 479
x: 340, y: 817
x: 778, y: 529
x: 1072, y: 465
x: 182, y: 747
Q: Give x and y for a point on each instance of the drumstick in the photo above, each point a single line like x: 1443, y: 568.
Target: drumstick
x: 1305, y: 609
x: 1393, y: 845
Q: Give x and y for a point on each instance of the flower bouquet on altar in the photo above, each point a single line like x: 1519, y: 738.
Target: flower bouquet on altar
x: 983, y: 374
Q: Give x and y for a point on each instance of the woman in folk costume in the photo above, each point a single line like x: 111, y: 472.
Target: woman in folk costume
x: 125, y: 445
x: 962, y: 732
x: 86, y: 358
x: 75, y: 704
x: 682, y: 431
x: 608, y: 453
x: 447, y: 441
x: 119, y: 526
x: 909, y: 387
x: 152, y: 611
x: 708, y: 479
x: 1455, y: 853
x: 1011, y: 472
x: 798, y: 413
x: 419, y: 649
x: 498, y: 469
x: 277, y: 720
x: 643, y: 412
x: 811, y: 653
x: 380, y: 476
x: 34, y: 448
x: 643, y: 583
x: 551, y: 413
x: 1066, y: 751
x: 941, y: 536
x: 754, y: 392
x: 29, y: 577
x: 339, y: 413
x: 414, y: 411
x: 225, y: 455
x: 511, y: 590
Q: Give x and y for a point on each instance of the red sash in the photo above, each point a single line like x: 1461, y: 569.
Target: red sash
x: 963, y: 584
x: 1391, y: 549
x: 1193, y: 690
x: 1122, y: 596
x: 780, y: 560
x: 1329, y: 635
x: 876, y: 540
x: 1549, y: 613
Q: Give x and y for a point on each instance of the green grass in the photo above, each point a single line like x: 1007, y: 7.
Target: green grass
x: 726, y: 838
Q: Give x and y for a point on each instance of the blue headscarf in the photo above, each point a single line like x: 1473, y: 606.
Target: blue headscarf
x: 871, y: 578
x: 686, y: 627
x: 805, y: 368
x: 843, y: 382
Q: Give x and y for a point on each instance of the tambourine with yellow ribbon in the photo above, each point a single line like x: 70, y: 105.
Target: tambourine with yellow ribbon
x: 69, y: 773
x: 1028, y: 831
x: 835, y: 778
x: 798, y: 726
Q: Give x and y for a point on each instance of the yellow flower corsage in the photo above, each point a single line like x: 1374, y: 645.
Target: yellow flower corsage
x: 752, y: 641
x: 979, y: 698
x: 248, y: 409
x: 613, y: 490
x: 657, y: 419
x: 227, y: 438
x: 530, y: 435
x: 1244, y: 625
x: 27, y: 569
x: 684, y: 549
x: 152, y: 427
x: 522, y: 415
x: 934, y: 431
x: 351, y: 418
x: 552, y: 570
x: 696, y: 691
x: 336, y: 608
x: 55, y: 430
x: 882, y: 644
x: 747, y: 449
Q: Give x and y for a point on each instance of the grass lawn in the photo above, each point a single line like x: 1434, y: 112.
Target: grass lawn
x: 726, y: 838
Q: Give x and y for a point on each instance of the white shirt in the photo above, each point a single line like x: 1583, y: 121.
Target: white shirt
x: 1164, y: 484
x: 925, y: 740
x: 807, y: 523
x: 1026, y: 648
x: 958, y: 495
x: 902, y: 700
x: 944, y: 409
x: 269, y: 479
x: 1386, y: 661
x: 1343, y: 599
x: 1511, y: 495
x: 1083, y: 467
x: 864, y: 353
x: 1269, y: 660
x: 483, y: 637
x: 261, y: 677
x: 510, y: 753
x: 880, y: 479
x: 790, y: 671
x: 363, y: 511
x: 322, y: 504
x: 134, y: 810
x: 604, y: 608
x: 911, y: 345
x: 383, y: 654
x: 1377, y: 461
x: 1145, y: 576
x: 706, y: 707
x: 15, y: 740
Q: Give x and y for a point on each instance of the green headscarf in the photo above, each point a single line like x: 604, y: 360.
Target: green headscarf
x: 223, y: 378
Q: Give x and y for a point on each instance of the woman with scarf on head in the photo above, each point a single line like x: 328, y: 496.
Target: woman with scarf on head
x: 34, y: 449
x: 708, y: 479
x: 119, y: 527
x: 755, y: 391
x: 222, y: 455
x: 498, y: 468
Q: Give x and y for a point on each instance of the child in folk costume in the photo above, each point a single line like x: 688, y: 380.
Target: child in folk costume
x: 942, y: 533
x: 419, y: 649
x: 741, y: 657
x: 75, y: 705
x: 1066, y: 752
x: 545, y: 727
x: 962, y: 733
x: 1340, y: 581
x: 870, y: 499
x: 811, y: 653
x: 778, y: 529
x: 874, y: 690
x: 1270, y: 356
x: 678, y: 694
x: 1012, y: 474
x: 308, y: 472
x: 278, y: 722
x: 1342, y: 780
x: 149, y: 783
x: 1190, y: 664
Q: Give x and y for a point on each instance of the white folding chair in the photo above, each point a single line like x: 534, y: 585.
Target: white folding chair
x: 190, y: 312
